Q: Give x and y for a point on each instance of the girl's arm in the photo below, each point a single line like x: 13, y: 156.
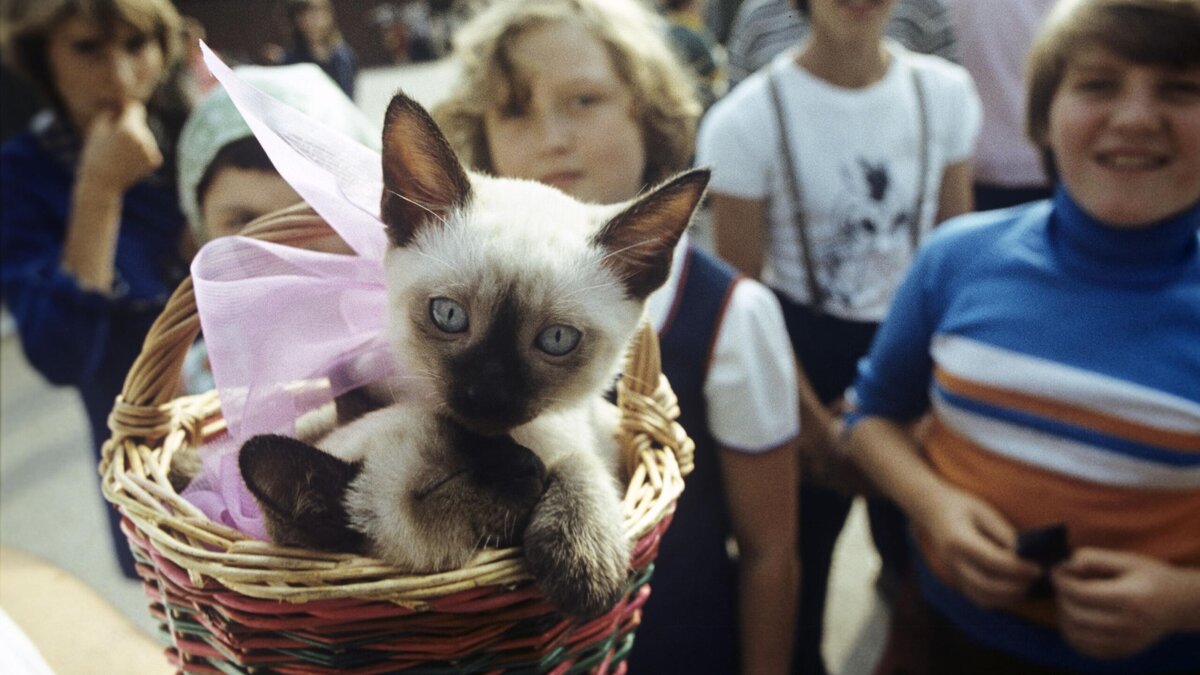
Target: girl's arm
x: 739, y: 232
x: 761, y: 491
x: 119, y: 150
x: 955, y: 197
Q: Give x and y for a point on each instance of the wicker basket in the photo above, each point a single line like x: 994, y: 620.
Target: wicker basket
x: 229, y: 603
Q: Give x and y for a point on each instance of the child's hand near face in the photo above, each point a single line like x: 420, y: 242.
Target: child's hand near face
x: 1113, y: 604
x: 978, y: 547
x: 119, y: 149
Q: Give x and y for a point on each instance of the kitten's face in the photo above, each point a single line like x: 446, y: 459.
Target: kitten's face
x: 510, y: 296
x: 507, y: 306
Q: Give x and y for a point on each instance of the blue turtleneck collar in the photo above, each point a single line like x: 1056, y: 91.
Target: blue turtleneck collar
x: 1146, y: 255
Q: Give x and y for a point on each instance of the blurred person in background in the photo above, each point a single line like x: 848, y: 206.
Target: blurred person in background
x: 316, y: 39
x: 90, y: 225
x: 830, y: 165
x: 405, y: 30
x: 994, y: 39
x: 763, y: 28
x: 587, y: 96
x: 696, y: 46
x: 1056, y: 348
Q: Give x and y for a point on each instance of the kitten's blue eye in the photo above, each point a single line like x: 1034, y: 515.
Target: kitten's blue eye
x: 558, y: 340
x: 448, y: 315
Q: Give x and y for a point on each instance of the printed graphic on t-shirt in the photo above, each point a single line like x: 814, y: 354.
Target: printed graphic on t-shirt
x: 871, y: 217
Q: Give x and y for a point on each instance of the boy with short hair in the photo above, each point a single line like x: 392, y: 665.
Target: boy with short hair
x: 1057, y: 346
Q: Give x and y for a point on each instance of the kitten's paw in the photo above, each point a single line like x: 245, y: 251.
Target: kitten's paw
x: 576, y: 550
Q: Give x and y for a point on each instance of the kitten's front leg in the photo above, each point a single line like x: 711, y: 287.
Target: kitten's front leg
x: 574, y: 542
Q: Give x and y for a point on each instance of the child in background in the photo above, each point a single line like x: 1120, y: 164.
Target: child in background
x: 1057, y: 346
x: 994, y: 39
x: 587, y: 96
x: 226, y: 179
x: 89, y: 226
x: 316, y: 39
x: 829, y: 166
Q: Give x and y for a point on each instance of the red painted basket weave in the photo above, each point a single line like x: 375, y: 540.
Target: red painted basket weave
x: 229, y: 603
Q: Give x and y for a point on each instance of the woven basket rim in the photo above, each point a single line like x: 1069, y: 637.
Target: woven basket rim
x: 150, y: 424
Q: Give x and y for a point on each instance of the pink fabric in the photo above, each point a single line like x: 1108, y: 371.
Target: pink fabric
x: 286, y: 328
x: 221, y: 494
x: 277, y: 319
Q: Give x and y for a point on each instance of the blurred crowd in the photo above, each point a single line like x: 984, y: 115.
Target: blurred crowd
x: 949, y: 263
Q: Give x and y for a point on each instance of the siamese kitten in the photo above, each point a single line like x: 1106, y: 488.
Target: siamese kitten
x: 515, y: 304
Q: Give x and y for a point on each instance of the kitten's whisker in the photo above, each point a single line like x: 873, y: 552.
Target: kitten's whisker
x: 435, y: 259
x: 585, y: 289
x: 417, y: 204
x: 630, y: 247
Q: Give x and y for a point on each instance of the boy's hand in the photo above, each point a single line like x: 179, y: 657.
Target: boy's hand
x: 978, y: 547
x: 1112, y: 603
x: 119, y: 149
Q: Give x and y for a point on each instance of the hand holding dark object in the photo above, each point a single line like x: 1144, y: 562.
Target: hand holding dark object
x: 1047, y: 547
x: 977, y: 546
x: 1115, y: 603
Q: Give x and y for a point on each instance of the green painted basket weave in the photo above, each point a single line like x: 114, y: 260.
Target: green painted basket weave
x: 230, y: 603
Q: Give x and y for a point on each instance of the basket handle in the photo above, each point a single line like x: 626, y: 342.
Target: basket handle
x: 144, y: 408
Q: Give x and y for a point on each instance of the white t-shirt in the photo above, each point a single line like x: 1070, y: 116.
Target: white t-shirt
x: 857, y: 159
x: 750, y: 389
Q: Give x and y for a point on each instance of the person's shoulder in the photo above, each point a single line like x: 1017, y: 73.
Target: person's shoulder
x: 748, y: 299
x: 932, y: 67
x: 751, y: 298
x: 741, y: 106
x: 26, y: 164
x: 982, y: 232
x: 768, y: 12
x: 751, y: 91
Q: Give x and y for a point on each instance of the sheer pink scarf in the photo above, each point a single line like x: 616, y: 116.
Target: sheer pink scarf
x: 288, y: 329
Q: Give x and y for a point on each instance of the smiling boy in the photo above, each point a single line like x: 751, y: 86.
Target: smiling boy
x: 1057, y: 346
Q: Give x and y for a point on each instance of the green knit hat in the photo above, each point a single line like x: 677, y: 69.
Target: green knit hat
x: 215, y: 122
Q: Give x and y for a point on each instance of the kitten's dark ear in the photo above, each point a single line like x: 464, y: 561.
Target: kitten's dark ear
x: 422, y: 178
x: 302, y: 493
x: 641, y: 239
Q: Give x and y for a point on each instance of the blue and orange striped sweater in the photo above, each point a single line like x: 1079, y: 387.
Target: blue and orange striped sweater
x: 1061, y: 361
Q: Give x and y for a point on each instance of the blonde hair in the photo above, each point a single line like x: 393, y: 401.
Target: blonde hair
x: 665, y: 106
x: 29, y: 24
x: 1162, y: 33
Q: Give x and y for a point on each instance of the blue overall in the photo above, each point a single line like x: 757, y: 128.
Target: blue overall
x: 689, y: 624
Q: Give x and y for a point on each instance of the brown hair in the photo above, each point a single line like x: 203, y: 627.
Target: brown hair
x: 28, y: 26
x: 244, y: 153
x: 663, y: 93
x: 1154, y: 32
